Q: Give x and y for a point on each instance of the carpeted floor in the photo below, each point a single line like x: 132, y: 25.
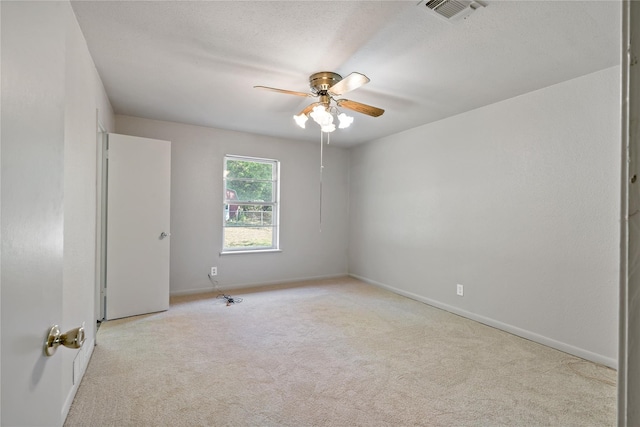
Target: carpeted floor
x: 330, y: 353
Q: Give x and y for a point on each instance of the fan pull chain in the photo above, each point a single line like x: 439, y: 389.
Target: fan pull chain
x: 321, y: 169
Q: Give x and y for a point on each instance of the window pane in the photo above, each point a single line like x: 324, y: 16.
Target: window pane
x: 250, y: 204
x: 250, y: 190
x: 248, y: 237
x: 249, y: 169
x: 248, y: 215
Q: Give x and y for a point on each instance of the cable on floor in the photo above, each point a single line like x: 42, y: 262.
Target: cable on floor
x: 230, y: 300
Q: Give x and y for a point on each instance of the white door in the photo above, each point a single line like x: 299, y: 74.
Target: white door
x: 138, y: 205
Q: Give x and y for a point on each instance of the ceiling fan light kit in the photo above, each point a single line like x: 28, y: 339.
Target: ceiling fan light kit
x: 324, y: 117
x: 327, y: 85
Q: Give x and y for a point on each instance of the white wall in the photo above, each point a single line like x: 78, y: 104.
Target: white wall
x: 50, y: 92
x: 84, y: 95
x: 518, y: 201
x: 196, y: 207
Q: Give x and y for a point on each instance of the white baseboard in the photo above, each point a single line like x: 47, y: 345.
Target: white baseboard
x: 237, y: 286
x: 558, y: 345
x: 87, y: 348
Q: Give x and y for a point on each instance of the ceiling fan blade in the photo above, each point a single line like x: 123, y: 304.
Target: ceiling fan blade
x: 309, y: 108
x: 351, y: 82
x: 360, y: 108
x: 288, y: 92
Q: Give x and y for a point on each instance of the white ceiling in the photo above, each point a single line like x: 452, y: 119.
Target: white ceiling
x: 196, y: 62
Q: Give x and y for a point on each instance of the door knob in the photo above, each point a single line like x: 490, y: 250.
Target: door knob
x: 163, y: 235
x: 73, y: 338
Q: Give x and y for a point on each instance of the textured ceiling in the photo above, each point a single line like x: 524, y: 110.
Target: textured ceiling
x: 196, y: 62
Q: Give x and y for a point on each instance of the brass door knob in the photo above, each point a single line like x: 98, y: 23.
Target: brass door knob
x: 73, y: 338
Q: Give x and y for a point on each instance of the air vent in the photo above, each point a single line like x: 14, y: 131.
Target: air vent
x: 452, y: 10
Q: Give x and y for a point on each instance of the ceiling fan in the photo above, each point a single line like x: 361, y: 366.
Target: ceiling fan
x: 327, y: 86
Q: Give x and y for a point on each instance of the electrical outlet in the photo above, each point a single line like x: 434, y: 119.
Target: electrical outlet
x: 460, y: 290
x: 214, y: 271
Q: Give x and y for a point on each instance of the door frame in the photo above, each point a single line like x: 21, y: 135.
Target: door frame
x: 629, y: 344
x: 101, y: 221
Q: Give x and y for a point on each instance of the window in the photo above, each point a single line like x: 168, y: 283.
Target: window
x: 251, y: 212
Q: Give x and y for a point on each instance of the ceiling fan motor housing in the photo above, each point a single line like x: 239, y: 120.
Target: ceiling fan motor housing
x: 323, y: 80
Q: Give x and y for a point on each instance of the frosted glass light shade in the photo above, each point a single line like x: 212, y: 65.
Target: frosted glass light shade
x: 301, y: 120
x: 345, y: 121
x: 321, y: 116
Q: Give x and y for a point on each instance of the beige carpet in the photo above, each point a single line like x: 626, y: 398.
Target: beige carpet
x: 330, y: 353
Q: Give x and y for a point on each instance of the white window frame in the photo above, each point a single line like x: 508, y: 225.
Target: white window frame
x: 275, y: 206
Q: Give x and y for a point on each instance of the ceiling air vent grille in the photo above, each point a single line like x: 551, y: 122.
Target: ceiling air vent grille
x: 452, y: 9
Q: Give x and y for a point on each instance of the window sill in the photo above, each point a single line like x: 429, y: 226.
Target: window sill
x: 254, y: 251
